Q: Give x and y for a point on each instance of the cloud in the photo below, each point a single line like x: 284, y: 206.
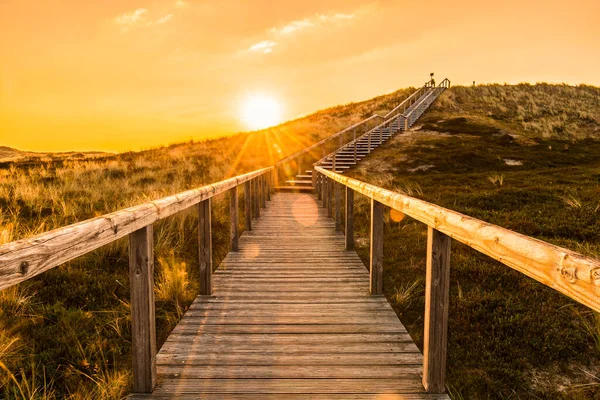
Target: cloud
x: 164, y: 19
x: 335, y: 17
x: 180, y: 3
x: 293, y: 26
x: 132, y: 18
x: 266, y: 46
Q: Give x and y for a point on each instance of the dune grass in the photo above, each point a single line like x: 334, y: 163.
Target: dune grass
x: 509, y: 336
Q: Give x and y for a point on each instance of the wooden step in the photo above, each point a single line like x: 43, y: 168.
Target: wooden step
x: 294, y: 188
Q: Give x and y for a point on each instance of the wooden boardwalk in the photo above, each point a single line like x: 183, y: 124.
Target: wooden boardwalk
x: 290, y: 317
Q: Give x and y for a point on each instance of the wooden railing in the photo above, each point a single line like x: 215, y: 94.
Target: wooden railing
x: 294, y: 164
x: 566, y: 271
x: 26, y: 258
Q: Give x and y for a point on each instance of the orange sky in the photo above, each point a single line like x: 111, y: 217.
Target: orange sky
x: 133, y: 74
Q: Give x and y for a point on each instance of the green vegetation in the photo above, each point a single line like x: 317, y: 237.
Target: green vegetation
x: 509, y: 336
x: 66, y: 333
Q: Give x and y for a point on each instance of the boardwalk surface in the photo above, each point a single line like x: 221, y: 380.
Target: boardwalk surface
x: 291, y: 317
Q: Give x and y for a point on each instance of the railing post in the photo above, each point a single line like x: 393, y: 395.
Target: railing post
x: 268, y: 185
x: 263, y: 191
x: 248, y: 205
x: 205, y: 246
x: 143, y: 322
x: 376, y: 269
x: 354, y: 136
x: 334, y: 168
x: 233, y: 218
x: 324, y: 190
x: 313, y: 177
x: 437, y: 294
x: 256, y: 191
x: 349, y: 218
x: 338, y: 207
x: 369, y: 145
x: 329, y: 198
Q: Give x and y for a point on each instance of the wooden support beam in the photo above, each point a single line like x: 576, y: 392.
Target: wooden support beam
x: 248, y: 205
x: 337, y: 206
x: 324, y: 191
x: 329, y: 198
x: 349, y: 218
x: 268, y: 186
x: 205, y: 246
x: 313, y: 177
x: 437, y: 297
x: 256, y: 191
x: 263, y: 191
x: 233, y: 218
x: 143, y: 321
x: 376, y: 269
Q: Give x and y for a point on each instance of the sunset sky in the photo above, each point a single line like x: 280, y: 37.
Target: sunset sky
x: 134, y: 74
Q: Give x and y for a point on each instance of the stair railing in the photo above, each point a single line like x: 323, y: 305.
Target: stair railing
x: 293, y: 164
x: 570, y: 273
x: 411, y: 117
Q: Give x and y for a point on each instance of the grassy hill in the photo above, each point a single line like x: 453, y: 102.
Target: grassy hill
x: 499, y: 153
x: 521, y: 157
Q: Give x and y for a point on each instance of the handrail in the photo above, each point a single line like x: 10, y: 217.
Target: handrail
x: 566, y: 271
x: 405, y: 100
x: 431, y: 92
x: 369, y: 132
x: 23, y: 259
x: 383, y: 124
x: 335, y: 135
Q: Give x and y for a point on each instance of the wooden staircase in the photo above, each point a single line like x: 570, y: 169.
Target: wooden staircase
x: 347, y: 155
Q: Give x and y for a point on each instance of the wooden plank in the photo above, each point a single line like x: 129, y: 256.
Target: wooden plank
x: 205, y: 246
x: 248, y: 205
x: 349, y: 226
x: 233, y: 219
x: 566, y: 271
x: 376, y: 256
x: 143, y: 328
x: 437, y: 303
x: 26, y: 258
x: 290, y: 396
x: 291, y: 371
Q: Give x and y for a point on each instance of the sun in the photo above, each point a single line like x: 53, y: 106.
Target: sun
x: 261, y: 111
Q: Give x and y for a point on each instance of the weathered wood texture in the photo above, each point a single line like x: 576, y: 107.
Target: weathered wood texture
x: 26, y: 258
x: 337, y: 206
x: 233, y: 219
x: 205, y: 246
x: 248, y: 205
x: 143, y: 322
x: 566, y: 271
x: 376, y: 255
x: 290, y: 317
x: 437, y: 298
x: 349, y: 226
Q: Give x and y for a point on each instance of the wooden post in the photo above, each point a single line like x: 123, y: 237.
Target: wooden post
x: 334, y: 169
x: 313, y: 177
x: 338, y: 207
x: 324, y: 190
x: 263, y: 191
x: 275, y: 178
x: 233, y: 218
x: 256, y: 191
x: 329, y: 198
x: 437, y: 294
x: 349, y: 219
x: 268, y: 185
x: 205, y: 246
x: 370, y: 133
x: 354, y: 144
x: 143, y: 322
x: 248, y: 205
x: 376, y: 247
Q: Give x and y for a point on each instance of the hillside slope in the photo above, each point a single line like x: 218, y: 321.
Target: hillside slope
x: 542, y: 110
x: 522, y: 161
